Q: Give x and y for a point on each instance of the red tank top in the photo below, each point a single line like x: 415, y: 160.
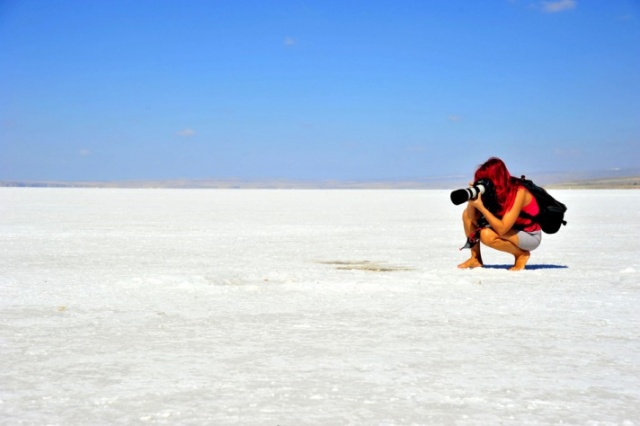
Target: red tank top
x: 533, y: 209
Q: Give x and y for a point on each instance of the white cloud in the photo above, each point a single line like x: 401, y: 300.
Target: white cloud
x: 454, y: 118
x: 84, y: 152
x: 289, y: 41
x: 186, y: 132
x: 558, y: 5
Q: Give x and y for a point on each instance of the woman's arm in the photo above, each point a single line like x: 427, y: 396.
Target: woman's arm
x: 502, y: 226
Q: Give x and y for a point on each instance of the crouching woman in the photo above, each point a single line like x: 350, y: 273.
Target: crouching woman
x: 502, y: 228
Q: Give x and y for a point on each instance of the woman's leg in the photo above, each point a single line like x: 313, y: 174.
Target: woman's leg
x: 507, y: 243
x: 470, y: 223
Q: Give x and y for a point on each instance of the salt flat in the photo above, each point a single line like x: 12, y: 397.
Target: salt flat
x: 267, y: 307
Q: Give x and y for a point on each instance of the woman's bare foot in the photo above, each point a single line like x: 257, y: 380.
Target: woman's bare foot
x: 521, y: 261
x: 472, y: 262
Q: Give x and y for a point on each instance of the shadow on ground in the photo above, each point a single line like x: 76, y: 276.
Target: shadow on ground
x: 528, y: 267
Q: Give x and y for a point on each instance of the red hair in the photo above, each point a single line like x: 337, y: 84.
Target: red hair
x: 496, y: 171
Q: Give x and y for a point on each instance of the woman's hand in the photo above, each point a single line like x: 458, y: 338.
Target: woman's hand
x: 477, y: 203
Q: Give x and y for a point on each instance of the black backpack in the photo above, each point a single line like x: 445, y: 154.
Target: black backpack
x: 551, y: 216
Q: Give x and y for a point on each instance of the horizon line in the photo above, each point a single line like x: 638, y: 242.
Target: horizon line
x: 556, y: 180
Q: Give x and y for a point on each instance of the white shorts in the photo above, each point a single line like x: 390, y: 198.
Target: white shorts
x: 529, y: 240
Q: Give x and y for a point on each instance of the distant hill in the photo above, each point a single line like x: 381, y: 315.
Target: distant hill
x: 604, y: 183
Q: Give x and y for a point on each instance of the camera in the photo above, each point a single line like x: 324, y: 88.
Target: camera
x: 479, y: 187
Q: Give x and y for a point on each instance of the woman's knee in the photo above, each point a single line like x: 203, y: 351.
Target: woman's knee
x: 465, y: 214
x: 488, y: 236
x: 470, y: 214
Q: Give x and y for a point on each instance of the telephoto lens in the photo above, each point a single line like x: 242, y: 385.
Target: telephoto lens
x: 460, y: 196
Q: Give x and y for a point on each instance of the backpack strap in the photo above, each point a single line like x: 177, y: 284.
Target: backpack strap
x: 532, y: 219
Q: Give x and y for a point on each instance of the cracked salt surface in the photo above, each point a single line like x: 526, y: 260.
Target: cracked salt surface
x: 310, y: 307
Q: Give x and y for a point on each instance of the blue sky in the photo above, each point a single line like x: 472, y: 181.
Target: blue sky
x: 121, y: 89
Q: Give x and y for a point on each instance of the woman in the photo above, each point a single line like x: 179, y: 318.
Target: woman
x: 506, y: 231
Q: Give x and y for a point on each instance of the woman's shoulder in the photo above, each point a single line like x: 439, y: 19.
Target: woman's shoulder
x: 521, y: 190
x: 527, y: 197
